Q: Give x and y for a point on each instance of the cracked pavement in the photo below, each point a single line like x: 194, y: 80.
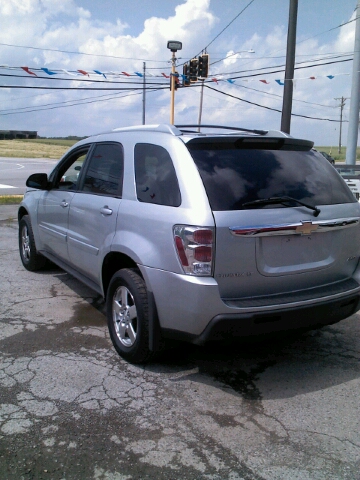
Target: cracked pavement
x: 71, y: 408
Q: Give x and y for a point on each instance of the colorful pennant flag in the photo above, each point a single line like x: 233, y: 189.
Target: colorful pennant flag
x: 49, y: 72
x: 100, y: 73
x: 108, y: 75
x: 69, y: 73
x: 29, y: 71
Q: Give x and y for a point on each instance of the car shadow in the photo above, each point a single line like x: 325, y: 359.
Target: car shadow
x: 273, y: 368
x: 280, y: 366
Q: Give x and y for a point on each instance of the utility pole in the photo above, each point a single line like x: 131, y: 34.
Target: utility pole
x: 354, y: 100
x: 144, y: 94
x: 289, y: 69
x: 342, y: 105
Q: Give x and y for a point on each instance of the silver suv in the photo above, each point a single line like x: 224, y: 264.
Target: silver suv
x: 198, y: 236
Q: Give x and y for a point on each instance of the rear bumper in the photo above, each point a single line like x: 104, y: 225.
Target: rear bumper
x: 190, y: 308
x: 226, y: 327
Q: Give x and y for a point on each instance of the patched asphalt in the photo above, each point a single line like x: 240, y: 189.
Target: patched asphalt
x: 71, y: 408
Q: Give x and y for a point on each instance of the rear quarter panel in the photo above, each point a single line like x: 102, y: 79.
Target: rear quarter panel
x: 145, y: 231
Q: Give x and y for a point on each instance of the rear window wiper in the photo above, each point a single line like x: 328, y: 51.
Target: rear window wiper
x: 282, y: 201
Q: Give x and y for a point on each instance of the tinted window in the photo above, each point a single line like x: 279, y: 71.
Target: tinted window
x: 105, y: 171
x: 66, y: 177
x: 234, y: 176
x: 155, y: 176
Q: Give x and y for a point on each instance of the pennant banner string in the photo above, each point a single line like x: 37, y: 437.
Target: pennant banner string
x: 110, y: 75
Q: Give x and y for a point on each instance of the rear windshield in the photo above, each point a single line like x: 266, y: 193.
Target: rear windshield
x: 233, y: 176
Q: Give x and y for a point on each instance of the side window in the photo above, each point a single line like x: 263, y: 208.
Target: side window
x: 68, y: 174
x: 155, y: 176
x: 104, y: 174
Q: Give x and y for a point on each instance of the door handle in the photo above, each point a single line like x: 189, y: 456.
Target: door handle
x: 106, y: 210
x: 64, y: 204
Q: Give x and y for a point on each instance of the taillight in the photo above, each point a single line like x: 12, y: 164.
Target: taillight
x: 195, y: 248
x: 203, y: 254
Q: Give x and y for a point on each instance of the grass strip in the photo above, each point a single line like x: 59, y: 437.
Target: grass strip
x: 10, y: 199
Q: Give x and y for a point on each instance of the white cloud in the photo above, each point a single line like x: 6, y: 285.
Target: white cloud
x: 190, y: 18
x: 54, y: 25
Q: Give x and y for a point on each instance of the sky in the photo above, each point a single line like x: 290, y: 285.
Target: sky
x: 81, y: 62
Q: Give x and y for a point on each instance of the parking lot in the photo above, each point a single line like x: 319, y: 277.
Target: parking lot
x: 71, y: 408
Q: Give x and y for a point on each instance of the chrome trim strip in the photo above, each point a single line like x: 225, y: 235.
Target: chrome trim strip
x: 301, y: 228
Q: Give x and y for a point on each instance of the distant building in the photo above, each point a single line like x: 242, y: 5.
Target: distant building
x: 12, y: 134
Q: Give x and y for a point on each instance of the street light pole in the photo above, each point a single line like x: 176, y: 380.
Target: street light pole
x: 174, y: 46
x: 172, y: 89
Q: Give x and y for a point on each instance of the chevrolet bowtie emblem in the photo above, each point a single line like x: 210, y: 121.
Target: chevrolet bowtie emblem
x: 307, y: 228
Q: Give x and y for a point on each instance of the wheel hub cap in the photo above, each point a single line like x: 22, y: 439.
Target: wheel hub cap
x: 125, y: 316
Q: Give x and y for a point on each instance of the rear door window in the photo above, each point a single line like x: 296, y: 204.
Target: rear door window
x: 155, y: 176
x: 233, y: 176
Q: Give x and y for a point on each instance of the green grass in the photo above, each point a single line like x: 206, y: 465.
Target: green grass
x: 63, y: 142
x: 334, y: 152
x: 10, y: 199
x: 34, y: 148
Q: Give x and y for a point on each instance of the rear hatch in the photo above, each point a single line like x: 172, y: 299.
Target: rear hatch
x: 285, y: 220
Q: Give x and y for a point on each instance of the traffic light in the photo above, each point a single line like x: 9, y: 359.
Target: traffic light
x: 203, y: 65
x: 193, y: 70
x: 186, y: 75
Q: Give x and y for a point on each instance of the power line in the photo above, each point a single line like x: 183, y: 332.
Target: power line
x: 297, y: 43
x: 158, y: 61
x: 269, y: 108
x: 228, y: 25
x: 282, y: 67
x: 80, y: 53
x: 262, y: 71
x: 327, y: 31
x: 79, y: 79
x: 62, y: 104
x: 280, y: 96
x: 79, y: 89
x: 282, y: 70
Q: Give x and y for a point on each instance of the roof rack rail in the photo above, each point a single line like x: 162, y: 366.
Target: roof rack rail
x: 162, y: 127
x: 258, y: 132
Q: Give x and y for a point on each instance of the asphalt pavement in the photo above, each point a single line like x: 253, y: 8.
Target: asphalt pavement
x: 72, y: 409
x: 8, y: 212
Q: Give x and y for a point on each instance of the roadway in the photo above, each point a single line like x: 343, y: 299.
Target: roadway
x: 15, y: 171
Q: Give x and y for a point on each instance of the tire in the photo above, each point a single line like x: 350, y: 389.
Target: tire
x: 30, y: 258
x: 128, y: 316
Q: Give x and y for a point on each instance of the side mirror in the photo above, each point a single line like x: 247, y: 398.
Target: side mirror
x: 38, y: 180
